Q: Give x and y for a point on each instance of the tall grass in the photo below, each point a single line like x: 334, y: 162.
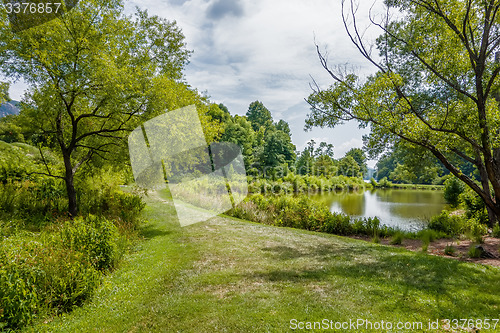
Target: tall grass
x: 304, y: 213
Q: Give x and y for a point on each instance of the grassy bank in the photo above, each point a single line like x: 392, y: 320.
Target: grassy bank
x: 228, y: 275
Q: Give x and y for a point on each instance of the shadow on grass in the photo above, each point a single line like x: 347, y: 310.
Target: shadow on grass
x: 445, y: 288
x: 152, y: 231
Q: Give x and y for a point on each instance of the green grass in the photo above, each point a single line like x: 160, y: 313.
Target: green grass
x: 228, y: 275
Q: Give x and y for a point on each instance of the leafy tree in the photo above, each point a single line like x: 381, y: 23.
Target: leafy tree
x: 305, y: 162
x: 278, y: 149
x: 10, y: 131
x: 453, y: 187
x: 259, y: 116
x: 349, y: 167
x: 325, y: 149
x: 402, y: 174
x: 324, y: 166
x: 239, y: 130
x: 92, y: 73
x: 437, y: 92
x: 418, y: 165
x: 385, y: 165
x: 360, y: 158
x: 284, y: 127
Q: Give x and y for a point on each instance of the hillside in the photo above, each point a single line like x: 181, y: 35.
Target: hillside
x: 9, y: 108
x: 228, y: 275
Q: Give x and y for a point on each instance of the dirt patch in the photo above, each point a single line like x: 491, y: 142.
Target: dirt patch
x: 491, y: 245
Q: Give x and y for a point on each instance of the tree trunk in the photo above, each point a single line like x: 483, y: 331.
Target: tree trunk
x: 70, y: 186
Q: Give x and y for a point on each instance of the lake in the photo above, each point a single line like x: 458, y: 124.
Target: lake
x: 405, y: 209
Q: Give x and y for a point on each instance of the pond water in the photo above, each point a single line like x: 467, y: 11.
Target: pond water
x: 404, y: 209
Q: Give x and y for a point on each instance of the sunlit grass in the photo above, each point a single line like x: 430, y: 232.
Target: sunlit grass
x: 227, y: 275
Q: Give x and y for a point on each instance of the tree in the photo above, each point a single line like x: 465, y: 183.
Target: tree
x: 259, y: 116
x: 239, y: 130
x: 284, y: 127
x: 325, y: 149
x: 359, y: 156
x: 324, y: 166
x: 437, y: 92
x: 92, y: 73
x: 349, y: 167
x: 305, y: 163
x: 278, y: 149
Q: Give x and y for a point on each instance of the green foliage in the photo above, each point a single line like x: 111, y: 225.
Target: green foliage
x: 449, y: 250
x: 38, y: 274
x: 474, y: 205
x: 453, y: 187
x: 259, y: 116
x: 99, y: 193
x: 292, y: 183
x: 455, y: 225
x: 83, y: 73
x: 384, y: 183
x: 349, y: 167
x: 496, y: 231
x: 452, y: 225
x: 474, y: 251
x: 397, y: 239
x: 10, y: 131
x: 360, y: 157
x: 302, y: 212
x: 475, y: 230
x: 414, y: 97
x: 410, y: 165
x: 96, y: 237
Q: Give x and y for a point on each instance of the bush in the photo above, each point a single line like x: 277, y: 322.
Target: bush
x: 475, y: 230
x: 37, y: 275
x: 397, y: 239
x: 449, y: 250
x: 474, y: 251
x: 474, y: 205
x: 451, y: 225
x: 496, y: 231
x: 96, y: 237
x: 100, y: 194
x: 303, y: 212
x: 384, y: 183
x: 453, y: 187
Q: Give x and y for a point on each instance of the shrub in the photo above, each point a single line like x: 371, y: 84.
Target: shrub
x: 94, y: 236
x: 496, y: 231
x: 384, y: 183
x: 37, y: 275
x: 475, y: 230
x: 474, y: 205
x: 451, y: 225
x: 474, y: 251
x: 99, y: 194
x: 453, y: 187
x: 427, y: 236
x: 397, y: 239
x: 449, y: 250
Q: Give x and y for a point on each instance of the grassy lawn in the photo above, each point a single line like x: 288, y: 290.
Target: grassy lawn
x: 227, y: 275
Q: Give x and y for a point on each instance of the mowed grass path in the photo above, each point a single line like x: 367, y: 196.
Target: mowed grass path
x: 227, y: 275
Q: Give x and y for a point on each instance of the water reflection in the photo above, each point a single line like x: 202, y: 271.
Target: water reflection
x: 406, y: 209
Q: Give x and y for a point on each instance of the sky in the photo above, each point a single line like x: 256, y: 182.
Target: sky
x: 248, y: 50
